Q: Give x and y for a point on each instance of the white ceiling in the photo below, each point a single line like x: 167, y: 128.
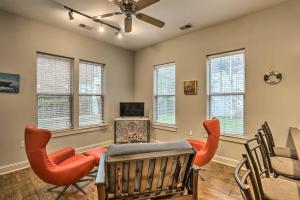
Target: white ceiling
x: 175, y: 13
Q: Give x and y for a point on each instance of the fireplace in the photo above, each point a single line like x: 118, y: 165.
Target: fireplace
x: 132, y: 130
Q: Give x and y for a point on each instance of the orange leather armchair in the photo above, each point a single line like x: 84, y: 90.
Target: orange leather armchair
x: 61, y: 168
x: 206, y: 150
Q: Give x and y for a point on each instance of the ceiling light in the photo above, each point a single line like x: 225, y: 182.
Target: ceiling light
x: 71, y: 17
x: 101, y: 28
x: 119, y: 35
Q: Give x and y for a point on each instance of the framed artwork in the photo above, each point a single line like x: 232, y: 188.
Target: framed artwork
x: 9, y: 83
x: 190, y: 87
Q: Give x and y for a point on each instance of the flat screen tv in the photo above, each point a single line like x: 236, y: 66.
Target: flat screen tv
x: 132, y: 109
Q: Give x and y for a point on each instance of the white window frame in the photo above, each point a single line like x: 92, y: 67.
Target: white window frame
x: 72, y: 90
x: 209, y: 94
x: 155, y: 95
x: 100, y: 95
x: 74, y: 118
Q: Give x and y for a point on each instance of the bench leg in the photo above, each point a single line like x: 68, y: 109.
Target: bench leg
x: 195, y: 184
x: 101, y: 192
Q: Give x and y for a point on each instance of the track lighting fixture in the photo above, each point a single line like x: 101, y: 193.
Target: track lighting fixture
x: 101, y: 25
x: 71, y: 17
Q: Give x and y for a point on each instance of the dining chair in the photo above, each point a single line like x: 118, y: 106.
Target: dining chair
x: 269, y: 188
x: 273, y: 149
x: 245, y: 179
x: 280, y: 166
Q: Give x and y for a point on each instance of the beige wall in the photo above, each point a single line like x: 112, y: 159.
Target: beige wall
x: 270, y: 37
x: 20, y: 39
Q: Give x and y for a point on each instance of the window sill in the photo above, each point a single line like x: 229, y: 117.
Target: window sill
x: 240, y: 139
x: 165, y: 127
x: 79, y: 130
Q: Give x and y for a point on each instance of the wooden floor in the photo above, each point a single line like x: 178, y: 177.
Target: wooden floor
x: 215, y: 182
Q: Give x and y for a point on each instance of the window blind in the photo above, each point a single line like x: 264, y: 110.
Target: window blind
x: 226, y: 90
x: 164, y: 94
x: 54, y: 92
x: 90, y: 93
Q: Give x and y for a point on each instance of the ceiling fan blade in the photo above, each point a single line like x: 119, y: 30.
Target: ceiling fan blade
x: 151, y: 20
x: 128, y: 24
x: 107, y: 15
x: 141, y: 4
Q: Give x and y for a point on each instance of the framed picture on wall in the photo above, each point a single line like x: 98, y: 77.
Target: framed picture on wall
x: 9, y: 83
x: 190, y: 87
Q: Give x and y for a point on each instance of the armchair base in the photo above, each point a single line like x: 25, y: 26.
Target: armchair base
x: 67, y: 187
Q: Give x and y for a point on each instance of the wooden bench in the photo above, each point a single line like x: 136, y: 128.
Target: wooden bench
x: 155, y: 175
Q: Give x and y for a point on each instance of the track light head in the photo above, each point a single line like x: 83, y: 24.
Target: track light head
x: 71, y: 17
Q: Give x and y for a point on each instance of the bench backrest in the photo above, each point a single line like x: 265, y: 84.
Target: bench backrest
x: 148, y: 174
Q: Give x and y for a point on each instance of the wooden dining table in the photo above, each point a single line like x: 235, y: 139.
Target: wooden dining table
x: 294, y: 139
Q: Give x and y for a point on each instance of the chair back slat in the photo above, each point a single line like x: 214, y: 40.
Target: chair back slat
x: 257, y: 158
x: 263, y: 138
x: 173, y: 172
x: 246, y: 180
x: 119, y: 176
x: 268, y: 138
x: 183, y: 171
x: 162, y: 173
x: 131, y: 181
x: 157, y: 170
x: 188, y: 170
x: 259, y: 162
x: 167, y: 175
x: 144, y: 175
x: 178, y: 169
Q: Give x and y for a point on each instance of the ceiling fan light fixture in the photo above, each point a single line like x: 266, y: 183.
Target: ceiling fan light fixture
x: 71, y: 17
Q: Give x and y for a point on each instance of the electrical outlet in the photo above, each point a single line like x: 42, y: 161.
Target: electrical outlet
x: 22, y: 143
x: 191, y: 133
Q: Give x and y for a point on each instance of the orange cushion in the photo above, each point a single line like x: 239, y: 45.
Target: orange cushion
x: 96, y: 154
x: 197, y: 144
x: 72, y: 159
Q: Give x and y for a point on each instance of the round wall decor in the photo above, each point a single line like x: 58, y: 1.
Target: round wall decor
x: 273, y: 77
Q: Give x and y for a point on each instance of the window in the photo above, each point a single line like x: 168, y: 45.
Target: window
x: 164, y: 94
x: 54, y: 92
x: 90, y: 93
x: 226, y: 90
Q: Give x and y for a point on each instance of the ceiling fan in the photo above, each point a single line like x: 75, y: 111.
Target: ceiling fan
x: 131, y: 7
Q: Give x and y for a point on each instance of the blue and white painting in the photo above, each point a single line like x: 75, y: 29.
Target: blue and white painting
x: 9, y: 83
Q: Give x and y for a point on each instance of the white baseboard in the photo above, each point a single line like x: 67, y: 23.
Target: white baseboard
x: 94, y: 146
x: 219, y: 159
x: 225, y: 160
x: 5, y: 169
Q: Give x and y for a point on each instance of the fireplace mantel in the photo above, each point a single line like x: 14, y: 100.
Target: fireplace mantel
x: 131, y: 130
